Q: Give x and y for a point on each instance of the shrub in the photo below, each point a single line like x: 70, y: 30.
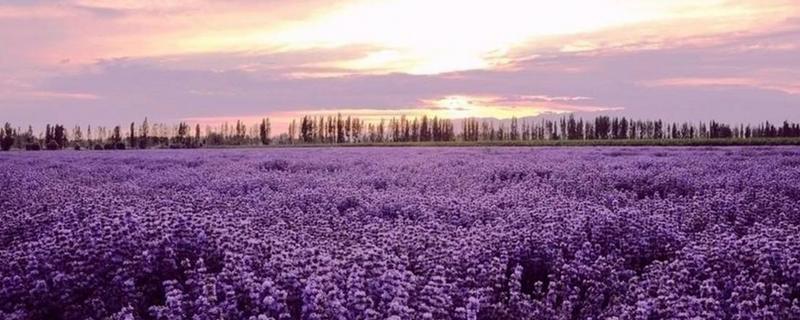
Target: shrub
x: 52, y: 145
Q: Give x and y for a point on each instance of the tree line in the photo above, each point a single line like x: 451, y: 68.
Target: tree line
x: 339, y: 129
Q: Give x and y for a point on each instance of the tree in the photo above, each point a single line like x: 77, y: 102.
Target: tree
x: 470, y: 129
x: 514, y: 131
x: 89, y: 135
x: 60, y: 135
x: 265, y: 130
x: 77, y: 135
x: 340, y: 137
x: 355, y: 130
x: 292, y: 131
x: 183, y: 131
x: 132, y: 137
x: 55, y: 137
x: 381, y: 129
x: 602, y: 126
x: 348, y: 129
x: 116, y: 136
x: 306, y: 130
x: 241, y: 132
x: 623, y: 128
x: 48, y: 134
x: 143, y: 131
x: 572, y: 130
x: 405, y: 129
x: 197, y: 135
x: 8, y: 137
x: 675, y: 134
x: 436, y: 132
x: 659, y: 130
x: 320, y: 130
x: 424, y: 130
x: 331, y: 130
x: 28, y: 136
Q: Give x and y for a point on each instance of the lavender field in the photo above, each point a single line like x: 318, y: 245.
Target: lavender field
x: 401, y: 233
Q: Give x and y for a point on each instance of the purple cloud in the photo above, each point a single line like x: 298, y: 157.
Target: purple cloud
x: 675, y: 83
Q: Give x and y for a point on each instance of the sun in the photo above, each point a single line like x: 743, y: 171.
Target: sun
x: 428, y: 37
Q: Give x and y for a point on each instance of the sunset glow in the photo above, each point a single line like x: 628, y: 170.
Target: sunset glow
x: 199, y: 59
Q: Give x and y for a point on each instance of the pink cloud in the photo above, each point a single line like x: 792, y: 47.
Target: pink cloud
x: 46, y: 96
x: 765, y: 84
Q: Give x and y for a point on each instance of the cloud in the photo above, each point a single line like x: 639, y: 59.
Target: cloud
x: 47, y: 96
x: 765, y: 84
x: 697, y: 72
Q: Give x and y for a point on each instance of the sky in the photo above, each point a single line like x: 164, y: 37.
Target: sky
x: 115, y: 61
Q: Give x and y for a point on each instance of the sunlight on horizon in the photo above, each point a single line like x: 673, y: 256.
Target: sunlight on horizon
x: 455, y: 107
